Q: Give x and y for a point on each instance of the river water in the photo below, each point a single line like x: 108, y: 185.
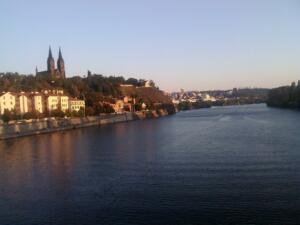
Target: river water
x: 224, y: 165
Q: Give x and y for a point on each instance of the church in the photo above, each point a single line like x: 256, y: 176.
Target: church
x: 51, y: 72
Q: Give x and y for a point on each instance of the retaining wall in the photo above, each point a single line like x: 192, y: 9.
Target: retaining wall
x: 20, y: 129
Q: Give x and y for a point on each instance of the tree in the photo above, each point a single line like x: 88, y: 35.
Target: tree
x: 68, y: 113
x: 7, y: 116
x: 81, y: 112
x: 184, y: 106
x: 28, y: 116
x: 137, y: 106
x: 57, y: 113
x: 32, y: 115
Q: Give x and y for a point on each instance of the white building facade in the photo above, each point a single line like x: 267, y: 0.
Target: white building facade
x: 64, y: 103
x: 23, y: 103
x: 76, y: 105
x: 37, y: 103
x: 7, y: 101
x: 57, y: 102
x: 52, y: 102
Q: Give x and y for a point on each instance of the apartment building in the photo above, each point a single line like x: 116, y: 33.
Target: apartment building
x: 7, y: 101
x: 23, y: 103
x: 76, y: 104
x: 37, y: 102
x: 47, y: 100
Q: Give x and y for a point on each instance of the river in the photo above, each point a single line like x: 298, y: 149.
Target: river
x: 224, y: 165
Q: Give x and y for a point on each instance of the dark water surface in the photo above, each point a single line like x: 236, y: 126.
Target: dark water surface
x: 230, y: 165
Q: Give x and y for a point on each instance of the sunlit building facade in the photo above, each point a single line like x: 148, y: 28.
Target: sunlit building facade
x: 7, y: 101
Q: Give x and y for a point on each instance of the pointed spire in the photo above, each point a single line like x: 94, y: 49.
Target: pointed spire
x: 50, y: 62
x: 61, y: 64
x: 59, y: 54
x: 50, y: 52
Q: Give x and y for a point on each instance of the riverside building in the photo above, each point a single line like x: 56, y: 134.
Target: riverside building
x: 37, y: 102
x: 46, y: 101
x: 76, y: 104
x: 7, y: 102
x: 23, y: 103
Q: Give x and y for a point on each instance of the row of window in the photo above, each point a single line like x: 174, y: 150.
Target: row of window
x: 4, y: 103
x: 10, y: 97
x: 76, y: 107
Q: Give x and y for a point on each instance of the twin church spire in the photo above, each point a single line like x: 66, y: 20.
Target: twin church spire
x: 60, y: 71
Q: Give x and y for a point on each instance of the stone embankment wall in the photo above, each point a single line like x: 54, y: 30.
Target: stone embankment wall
x: 20, y: 129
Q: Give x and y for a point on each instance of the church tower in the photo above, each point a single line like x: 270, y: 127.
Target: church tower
x: 61, y: 65
x: 50, y: 63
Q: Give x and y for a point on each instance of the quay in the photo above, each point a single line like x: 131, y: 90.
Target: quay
x: 49, y: 125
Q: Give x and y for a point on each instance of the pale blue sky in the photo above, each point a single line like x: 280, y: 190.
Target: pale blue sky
x: 179, y: 44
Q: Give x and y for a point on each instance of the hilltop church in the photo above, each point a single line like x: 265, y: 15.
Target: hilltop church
x: 51, y: 72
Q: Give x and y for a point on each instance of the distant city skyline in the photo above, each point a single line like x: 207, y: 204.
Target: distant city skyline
x: 194, y: 45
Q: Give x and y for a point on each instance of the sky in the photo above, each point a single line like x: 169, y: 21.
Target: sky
x: 189, y: 44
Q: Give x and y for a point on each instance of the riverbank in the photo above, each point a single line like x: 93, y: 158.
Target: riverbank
x: 217, y: 105
x: 286, y: 97
x: 49, y: 125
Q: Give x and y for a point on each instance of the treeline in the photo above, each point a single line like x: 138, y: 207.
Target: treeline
x: 74, y: 86
x: 261, y: 93
x: 207, y: 104
x: 240, y: 101
x: 285, y: 97
x: 254, y: 93
x: 182, y: 106
x: 12, y: 115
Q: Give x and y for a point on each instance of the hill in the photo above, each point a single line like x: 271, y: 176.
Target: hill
x: 94, y: 89
x: 146, y: 94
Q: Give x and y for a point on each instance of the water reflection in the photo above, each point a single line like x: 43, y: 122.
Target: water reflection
x: 230, y: 165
